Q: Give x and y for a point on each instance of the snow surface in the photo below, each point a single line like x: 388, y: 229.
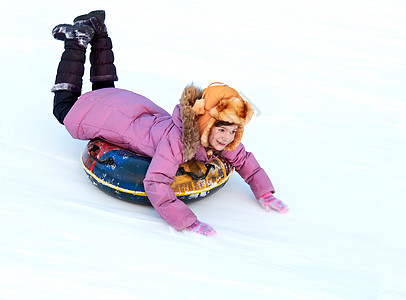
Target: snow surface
x: 328, y: 80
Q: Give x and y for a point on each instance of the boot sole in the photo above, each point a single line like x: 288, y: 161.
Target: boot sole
x: 65, y: 32
x: 98, y: 14
x: 59, y: 32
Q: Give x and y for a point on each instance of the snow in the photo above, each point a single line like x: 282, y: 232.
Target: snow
x: 328, y: 79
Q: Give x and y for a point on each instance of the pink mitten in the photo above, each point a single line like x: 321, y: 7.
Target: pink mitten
x: 202, y: 228
x: 268, y: 201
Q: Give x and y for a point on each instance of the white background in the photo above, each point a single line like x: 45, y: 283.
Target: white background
x: 328, y: 78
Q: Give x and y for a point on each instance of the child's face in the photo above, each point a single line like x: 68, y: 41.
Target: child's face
x: 221, y: 136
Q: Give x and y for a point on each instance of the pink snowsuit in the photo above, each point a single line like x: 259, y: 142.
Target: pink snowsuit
x: 132, y: 121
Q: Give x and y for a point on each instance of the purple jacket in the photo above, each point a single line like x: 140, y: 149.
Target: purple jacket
x: 134, y: 122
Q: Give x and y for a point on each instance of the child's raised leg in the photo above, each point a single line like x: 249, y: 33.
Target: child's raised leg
x: 68, y: 81
x: 103, y: 72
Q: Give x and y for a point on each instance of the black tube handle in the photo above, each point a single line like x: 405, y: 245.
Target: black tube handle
x: 181, y: 171
x: 107, y: 161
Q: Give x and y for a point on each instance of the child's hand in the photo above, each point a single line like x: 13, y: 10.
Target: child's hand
x: 268, y: 201
x: 202, y: 228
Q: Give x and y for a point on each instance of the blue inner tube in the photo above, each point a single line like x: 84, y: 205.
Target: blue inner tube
x: 121, y: 173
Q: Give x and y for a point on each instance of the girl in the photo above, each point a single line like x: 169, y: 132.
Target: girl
x: 204, y: 125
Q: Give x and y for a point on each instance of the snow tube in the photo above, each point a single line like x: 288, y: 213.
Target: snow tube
x: 120, y: 173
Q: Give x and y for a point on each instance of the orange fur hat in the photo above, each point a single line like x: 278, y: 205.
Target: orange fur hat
x: 222, y: 103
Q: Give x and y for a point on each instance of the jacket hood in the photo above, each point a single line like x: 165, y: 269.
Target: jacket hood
x: 190, y: 121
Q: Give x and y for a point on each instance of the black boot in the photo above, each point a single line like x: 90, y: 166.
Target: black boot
x: 82, y: 34
x: 102, y: 68
x: 68, y: 81
x: 71, y: 67
x: 96, y: 20
x: 103, y: 72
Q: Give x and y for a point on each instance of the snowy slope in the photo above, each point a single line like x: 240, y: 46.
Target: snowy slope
x: 328, y: 79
